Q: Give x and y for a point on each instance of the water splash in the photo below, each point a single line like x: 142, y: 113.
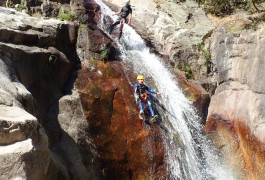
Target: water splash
x: 190, y: 154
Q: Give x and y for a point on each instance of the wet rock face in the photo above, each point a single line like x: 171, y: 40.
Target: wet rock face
x: 99, y: 122
x: 230, y: 123
x: 236, y: 112
x: 125, y: 148
x: 194, y: 92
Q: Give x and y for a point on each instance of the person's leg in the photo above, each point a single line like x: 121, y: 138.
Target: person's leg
x: 120, y: 34
x: 121, y: 27
x: 114, y: 24
x: 141, y: 106
x: 150, y: 107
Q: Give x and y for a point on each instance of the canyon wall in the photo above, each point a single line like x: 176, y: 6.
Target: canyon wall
x: 236, y: 113
x: 66, y: 104
x: 33, y: 70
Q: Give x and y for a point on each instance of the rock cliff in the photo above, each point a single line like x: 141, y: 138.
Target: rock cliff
x: 236, y: 114
x: 121, y: 138
x: 33, y: 71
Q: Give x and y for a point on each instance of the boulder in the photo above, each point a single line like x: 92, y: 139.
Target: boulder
x: 103, y: 140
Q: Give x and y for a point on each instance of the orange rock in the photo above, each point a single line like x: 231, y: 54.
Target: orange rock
x: 195, y: 93
x: 126, y: 149
x: 242, y: 150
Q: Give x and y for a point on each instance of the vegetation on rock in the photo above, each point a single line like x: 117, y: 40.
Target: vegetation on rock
x: 66, y: 16
x: 205, y: 51
x: 187, y: 71
x: 21, y: 7
x: 104, y: 54
x: 223, y: 7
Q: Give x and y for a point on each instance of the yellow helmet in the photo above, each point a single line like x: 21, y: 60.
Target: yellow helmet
x: 140, y: 77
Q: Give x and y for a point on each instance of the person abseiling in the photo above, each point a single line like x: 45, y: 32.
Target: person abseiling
x: 141, y: 90
x: 126, y: 11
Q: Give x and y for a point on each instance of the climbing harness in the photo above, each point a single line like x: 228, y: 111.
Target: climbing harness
x: 143, y: 97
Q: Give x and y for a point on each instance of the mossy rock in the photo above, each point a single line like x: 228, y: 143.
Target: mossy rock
x: 94, y: 89
x: 112, y: 72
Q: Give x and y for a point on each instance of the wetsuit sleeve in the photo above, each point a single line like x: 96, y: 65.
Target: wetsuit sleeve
x: 130, y: 10
x: 151, y: 90
x: 135, y: 87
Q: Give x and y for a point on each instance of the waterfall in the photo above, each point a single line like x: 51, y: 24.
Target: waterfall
x: 190, y: 154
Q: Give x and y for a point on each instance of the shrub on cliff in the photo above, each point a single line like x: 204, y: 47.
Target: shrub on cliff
x: 223, y: 7
x: 187, y: 71
x: 21, y: 7
x: 66, y: 16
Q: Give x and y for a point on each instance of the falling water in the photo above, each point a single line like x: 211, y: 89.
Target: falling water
x: 190, y: 154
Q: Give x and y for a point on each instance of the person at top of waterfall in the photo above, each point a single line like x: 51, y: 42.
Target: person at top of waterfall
x: 126, y: 11
x: 140, y: 90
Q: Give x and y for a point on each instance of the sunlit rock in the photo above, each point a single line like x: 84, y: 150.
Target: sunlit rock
x: 236, y: 113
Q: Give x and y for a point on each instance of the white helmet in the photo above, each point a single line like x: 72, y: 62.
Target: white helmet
x: 127, y: 2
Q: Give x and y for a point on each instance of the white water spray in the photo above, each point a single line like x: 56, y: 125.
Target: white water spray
x: 189, y: 152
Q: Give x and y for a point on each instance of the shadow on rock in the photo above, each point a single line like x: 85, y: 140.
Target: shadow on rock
x: 70, y: 145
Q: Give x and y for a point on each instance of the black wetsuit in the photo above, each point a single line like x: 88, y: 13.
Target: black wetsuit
x: 125, y: 11
x: 141, y: 88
